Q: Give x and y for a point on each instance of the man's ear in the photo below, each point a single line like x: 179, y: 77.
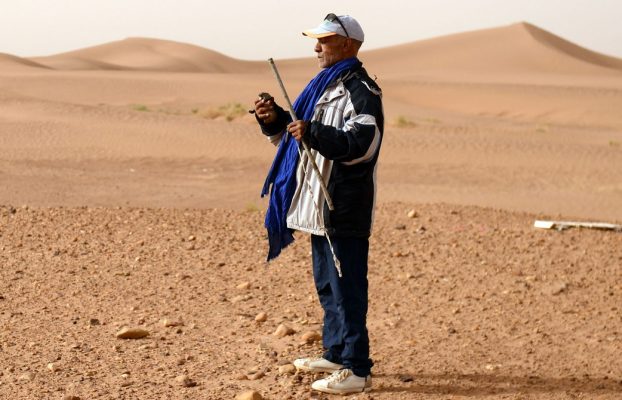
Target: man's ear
x: 348, y: 43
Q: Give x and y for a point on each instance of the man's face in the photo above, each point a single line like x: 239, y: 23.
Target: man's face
x: 330, y: 50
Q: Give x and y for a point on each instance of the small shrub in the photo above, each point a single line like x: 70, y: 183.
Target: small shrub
x: 403, y: 122
x: 252, y: 207
x: 140, y: 107
x: 229, y: 111
x: 433, y: 120
x: 542, y: 129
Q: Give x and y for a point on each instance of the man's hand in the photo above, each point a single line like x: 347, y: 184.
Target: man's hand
x: 264, y: 109
x: 297, y: 129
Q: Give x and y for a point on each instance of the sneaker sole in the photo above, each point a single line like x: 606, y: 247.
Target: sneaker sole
x: 311, y: 369
x: 341, y: 392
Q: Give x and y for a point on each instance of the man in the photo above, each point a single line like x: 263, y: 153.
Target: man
x: 341, y: 120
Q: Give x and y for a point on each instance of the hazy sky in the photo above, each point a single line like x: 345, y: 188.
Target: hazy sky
x: 271, y: 28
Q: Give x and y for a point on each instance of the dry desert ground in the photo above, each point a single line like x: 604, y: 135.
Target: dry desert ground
x: 129, y: 198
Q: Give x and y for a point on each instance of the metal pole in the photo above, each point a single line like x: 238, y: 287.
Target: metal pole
x: 292, y: 113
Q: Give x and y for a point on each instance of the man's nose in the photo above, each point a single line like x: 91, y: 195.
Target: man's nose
x: 318, y: 47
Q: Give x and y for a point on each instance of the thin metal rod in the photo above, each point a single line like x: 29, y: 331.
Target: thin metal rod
x: 292, y: 113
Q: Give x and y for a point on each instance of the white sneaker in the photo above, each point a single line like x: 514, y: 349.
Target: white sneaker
x: 343, y: 382
x: 316, y: 365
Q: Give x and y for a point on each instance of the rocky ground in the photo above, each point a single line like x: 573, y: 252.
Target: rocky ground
x: 466, y: 302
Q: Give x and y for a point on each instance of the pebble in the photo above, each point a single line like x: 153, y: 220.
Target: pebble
x: 52, y: 367
x: 283, y: 330
x: 185, y: 381
x: 492, y: 367
x: 249, y: 395
x: 132, y: 333
x: 240, y: 377
x: 71, y: 397
x: 244, y: 286
x: 287, y: 369
x: 168, y: 323
x: 261, y: 317
x: 412, y: 214
x: 311, y: 337
x: 28, y: 376
x: 94, y: 322
x: 257, y: 375
x: 240, y: 298
x: 558, y: 288
x: 406, y: 378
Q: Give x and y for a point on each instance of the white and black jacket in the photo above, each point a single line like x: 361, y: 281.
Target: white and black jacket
x: 344, y: 134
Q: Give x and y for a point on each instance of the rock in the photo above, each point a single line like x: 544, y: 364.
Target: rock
x: 283, y: 330
x: 28, y: 376
x: 250, y: 395
x: 241, y: 298
x: 94, y: 322
x: 185, y: 381
x: 71, y: 397
x: 240, y: 377
x: 257, y: 375
x: 492, y: 367
x: 168, y: 323
x: 52, y: 367
x: 311, y: 337
x: 132, y: 333
x: 287, y: 369
x: 557, y: 288
x: 261, y: 317
x: 244, y: 286
x: 412, y: 214
x: 405, y: 378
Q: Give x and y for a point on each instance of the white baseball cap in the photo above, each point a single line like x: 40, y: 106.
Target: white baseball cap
x: 343, y: 25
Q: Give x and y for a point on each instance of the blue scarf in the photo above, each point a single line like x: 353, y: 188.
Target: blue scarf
x: 282, y: 174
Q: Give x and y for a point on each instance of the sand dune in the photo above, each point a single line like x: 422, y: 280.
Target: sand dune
x: 519, y: 51
x: 515, y: 50
x: 146, y: 54
x: 10, y: 62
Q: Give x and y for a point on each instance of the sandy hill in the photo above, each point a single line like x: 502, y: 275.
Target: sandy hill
x: 9, y: 62
x: 519, y: 50
x: 516, y: 49
x: 145, y: 54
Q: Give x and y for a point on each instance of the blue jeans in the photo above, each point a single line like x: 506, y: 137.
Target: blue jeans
x: 344, y: 300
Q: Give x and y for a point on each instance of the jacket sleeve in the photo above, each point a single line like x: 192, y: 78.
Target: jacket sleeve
x: 359, y: 138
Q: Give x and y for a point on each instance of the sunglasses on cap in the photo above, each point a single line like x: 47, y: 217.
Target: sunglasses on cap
x: 332, y: 18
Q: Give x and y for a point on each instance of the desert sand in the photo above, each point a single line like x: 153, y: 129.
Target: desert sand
x: 130, y: 176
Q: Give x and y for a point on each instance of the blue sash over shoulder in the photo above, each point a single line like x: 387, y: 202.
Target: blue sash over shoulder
x: 282, y: 174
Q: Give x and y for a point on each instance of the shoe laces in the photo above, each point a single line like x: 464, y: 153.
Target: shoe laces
x: 339, y: 376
